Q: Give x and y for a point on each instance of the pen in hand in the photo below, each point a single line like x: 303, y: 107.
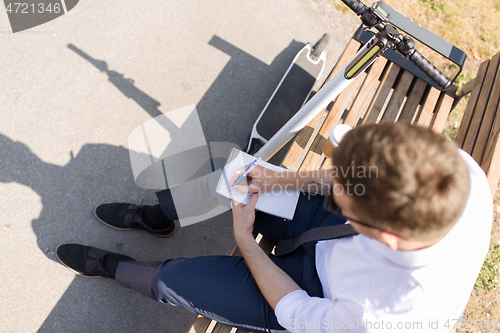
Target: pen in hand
x: 246, y: 172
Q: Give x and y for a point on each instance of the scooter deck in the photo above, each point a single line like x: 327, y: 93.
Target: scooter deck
x: 288, y: 97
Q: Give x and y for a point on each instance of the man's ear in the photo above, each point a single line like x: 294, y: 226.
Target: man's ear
x: 389, y: 239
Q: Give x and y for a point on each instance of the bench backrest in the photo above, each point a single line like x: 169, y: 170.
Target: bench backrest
x: 388, y: 93
x: 479, y: 130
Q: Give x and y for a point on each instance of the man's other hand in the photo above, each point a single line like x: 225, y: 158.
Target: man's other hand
x: 244, y: 217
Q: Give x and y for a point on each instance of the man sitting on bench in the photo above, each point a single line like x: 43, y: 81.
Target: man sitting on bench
x: 422, y: 209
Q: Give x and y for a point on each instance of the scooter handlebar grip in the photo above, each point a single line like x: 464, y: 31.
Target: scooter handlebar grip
x: 355, y: 5
x: 430, y: 70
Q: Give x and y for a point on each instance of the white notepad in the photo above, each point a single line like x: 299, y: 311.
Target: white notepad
x: 279, y: 202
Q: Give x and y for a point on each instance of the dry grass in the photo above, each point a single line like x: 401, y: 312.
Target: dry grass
x: 474, y: 27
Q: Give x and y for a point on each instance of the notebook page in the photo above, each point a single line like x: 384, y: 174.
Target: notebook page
x: 280, y: 202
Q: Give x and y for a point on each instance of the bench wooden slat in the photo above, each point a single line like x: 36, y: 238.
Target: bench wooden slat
x: 491, y: 159
x: 311, y: 155
x: 365, y: 94
x: 312, y: 145
x: 491, y: 163
x: 427, y: 109
x: 471, y: 105
x: 385, y: 87
x: 495, y: 108
x: 413, y: 100
x: 221, y: 328
x: 200, y: 324
x: 442, y: 110
x: 299, y: 143
x: 479, y: 110
x: 489, y: 118
x: 264, y: 244
x: 398, y: 97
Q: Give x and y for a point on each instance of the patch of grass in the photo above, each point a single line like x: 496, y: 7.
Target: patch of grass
x: 437, y: 6
x: 462, y: 79
x: 450, y: 132
x: 343, y: 8
x: 485, y: 38
x: 488, y: 277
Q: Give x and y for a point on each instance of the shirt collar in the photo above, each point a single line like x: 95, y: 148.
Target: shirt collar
x: 411, y: 259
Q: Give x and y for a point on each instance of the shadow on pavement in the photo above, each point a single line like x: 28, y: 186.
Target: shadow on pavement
x: 102, y: 173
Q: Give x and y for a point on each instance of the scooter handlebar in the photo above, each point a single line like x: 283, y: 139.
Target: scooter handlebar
x: 355, y: 5
x: 430, y: 70
x: 409, y: 52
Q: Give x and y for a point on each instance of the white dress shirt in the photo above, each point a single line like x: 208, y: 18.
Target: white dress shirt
x: 369, y: 287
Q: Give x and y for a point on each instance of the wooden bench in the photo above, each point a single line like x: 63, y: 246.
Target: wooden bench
x: 387, y: 92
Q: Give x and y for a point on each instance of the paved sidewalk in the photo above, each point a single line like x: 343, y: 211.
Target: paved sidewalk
x: 65, y: 120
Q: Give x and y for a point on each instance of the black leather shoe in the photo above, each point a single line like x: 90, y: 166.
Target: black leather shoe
x: 86, y: 260
x: 126, y: 216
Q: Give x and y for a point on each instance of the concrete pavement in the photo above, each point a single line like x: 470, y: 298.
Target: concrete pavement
x: 65, y: 120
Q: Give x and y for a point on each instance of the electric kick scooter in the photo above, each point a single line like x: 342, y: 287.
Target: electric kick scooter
x: 387, y: 36
x: 291, y: 93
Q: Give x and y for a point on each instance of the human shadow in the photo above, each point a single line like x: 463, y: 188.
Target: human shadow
x: 102, y: 173
x: 125, y: 85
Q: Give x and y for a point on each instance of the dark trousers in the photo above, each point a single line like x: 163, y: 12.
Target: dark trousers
x: 221, y: 287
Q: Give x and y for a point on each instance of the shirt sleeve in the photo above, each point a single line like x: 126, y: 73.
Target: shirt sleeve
x: 298, y: 312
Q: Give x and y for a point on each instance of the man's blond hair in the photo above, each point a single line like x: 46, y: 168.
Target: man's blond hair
x: 421, y: 185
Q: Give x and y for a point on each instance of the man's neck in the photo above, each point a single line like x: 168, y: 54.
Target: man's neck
x: 408, y: 245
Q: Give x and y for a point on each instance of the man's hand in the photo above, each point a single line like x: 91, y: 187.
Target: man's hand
x: 258, y: 180
x: 244, y: 217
